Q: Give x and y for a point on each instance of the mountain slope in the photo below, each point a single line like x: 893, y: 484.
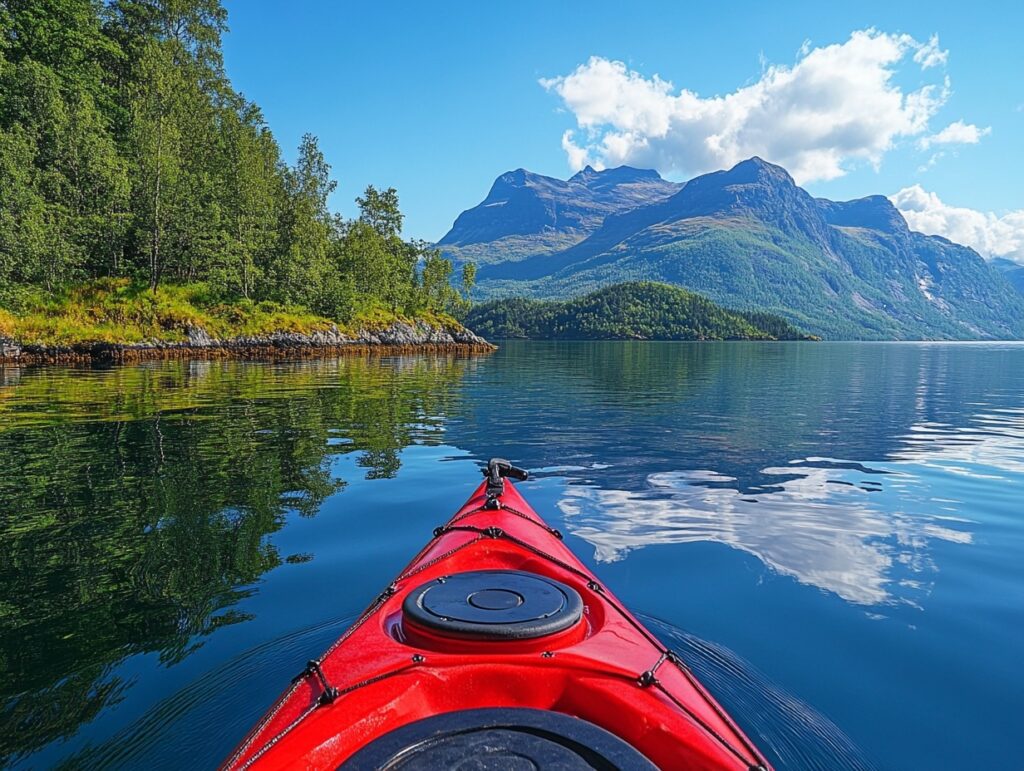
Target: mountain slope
x: 526, y: 214
x: 751, y: 238
x: 639, y: 310
x: 1012, y: 271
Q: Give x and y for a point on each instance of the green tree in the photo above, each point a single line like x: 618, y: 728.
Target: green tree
x: 436, y: 282
x: 379, y: 210
x: 155, y: 142
x: 23, y: 242
x: 253, y: 195
x: 387, y: 263
x: 303, y: 265
x: 66, y: 36
x: 468, y: 279
x: 73, y: 170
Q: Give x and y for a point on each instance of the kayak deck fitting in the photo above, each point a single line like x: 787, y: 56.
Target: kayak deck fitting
x: 496, y: 648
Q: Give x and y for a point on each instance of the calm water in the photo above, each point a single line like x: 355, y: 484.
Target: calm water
x: 831, y: 533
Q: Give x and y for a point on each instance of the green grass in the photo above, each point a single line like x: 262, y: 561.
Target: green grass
x: 120, y: 311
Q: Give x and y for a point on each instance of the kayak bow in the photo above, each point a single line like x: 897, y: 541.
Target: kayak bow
x: 495, y: 643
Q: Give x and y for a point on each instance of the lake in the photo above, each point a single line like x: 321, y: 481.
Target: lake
x: 831, y: 533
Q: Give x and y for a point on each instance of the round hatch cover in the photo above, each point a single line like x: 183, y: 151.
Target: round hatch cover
x: 498, y: 739
x: 494, y: 604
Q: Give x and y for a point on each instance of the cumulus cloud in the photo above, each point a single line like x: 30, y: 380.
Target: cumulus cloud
x: 990, y: 234
x: 837, y: 105
x: 956, y: 133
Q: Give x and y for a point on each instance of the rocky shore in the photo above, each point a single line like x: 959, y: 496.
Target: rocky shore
x: 399, y: 337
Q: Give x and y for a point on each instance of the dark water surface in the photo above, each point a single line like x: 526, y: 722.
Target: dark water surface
x: 833, y: 534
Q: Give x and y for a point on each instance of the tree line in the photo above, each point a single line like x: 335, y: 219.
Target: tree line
x: 125, y: 151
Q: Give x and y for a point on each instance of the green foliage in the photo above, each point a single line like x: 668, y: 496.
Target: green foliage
x: 126, y: 153
x: 379, y: 210
x: 640, y: 310
x: 437, y: 281
x: 468, y: 279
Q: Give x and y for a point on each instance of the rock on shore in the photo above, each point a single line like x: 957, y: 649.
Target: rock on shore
x: 399, y: 337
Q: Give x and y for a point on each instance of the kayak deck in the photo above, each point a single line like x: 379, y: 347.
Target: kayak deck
x: 390, y: 669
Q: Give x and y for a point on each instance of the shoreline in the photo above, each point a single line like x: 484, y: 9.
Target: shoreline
x: 395, y: 339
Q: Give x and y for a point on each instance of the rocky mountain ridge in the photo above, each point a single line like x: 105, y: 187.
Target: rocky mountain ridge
x: 748, y: 238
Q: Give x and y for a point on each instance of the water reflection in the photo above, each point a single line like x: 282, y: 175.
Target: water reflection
x: 821, y: 529
x: 646, y: 408
x: 138, y: 501
x: 729, y: 443
x: 146, y: 510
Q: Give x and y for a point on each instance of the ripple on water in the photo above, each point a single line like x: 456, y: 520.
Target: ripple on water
x: 184, y: 719
x: 790, y: 733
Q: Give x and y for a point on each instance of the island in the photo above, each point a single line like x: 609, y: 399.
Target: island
x: 636, y: 310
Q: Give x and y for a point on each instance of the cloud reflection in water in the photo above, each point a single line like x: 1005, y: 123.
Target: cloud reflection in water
x: 814, y: 525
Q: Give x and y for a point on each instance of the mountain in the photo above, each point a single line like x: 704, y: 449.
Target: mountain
x: 527, y: 214
x: 639, y: 310
x: 1012, y: 271
x: 751, y: 238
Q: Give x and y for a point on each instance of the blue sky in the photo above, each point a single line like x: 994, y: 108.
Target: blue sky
x: 439, y: 100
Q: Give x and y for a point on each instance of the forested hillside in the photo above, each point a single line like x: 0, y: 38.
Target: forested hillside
x: 125, y: 152
x: 641, y: 310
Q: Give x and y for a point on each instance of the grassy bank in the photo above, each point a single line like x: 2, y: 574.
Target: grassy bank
x: 120, y: 311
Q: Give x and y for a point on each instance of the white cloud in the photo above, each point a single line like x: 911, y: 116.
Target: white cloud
x: 956, y: 133
x: 990, y: 234
x: 930, y: 55
x: 837, y: 105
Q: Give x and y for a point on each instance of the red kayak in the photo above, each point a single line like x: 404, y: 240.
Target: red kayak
x: 497, y: 649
